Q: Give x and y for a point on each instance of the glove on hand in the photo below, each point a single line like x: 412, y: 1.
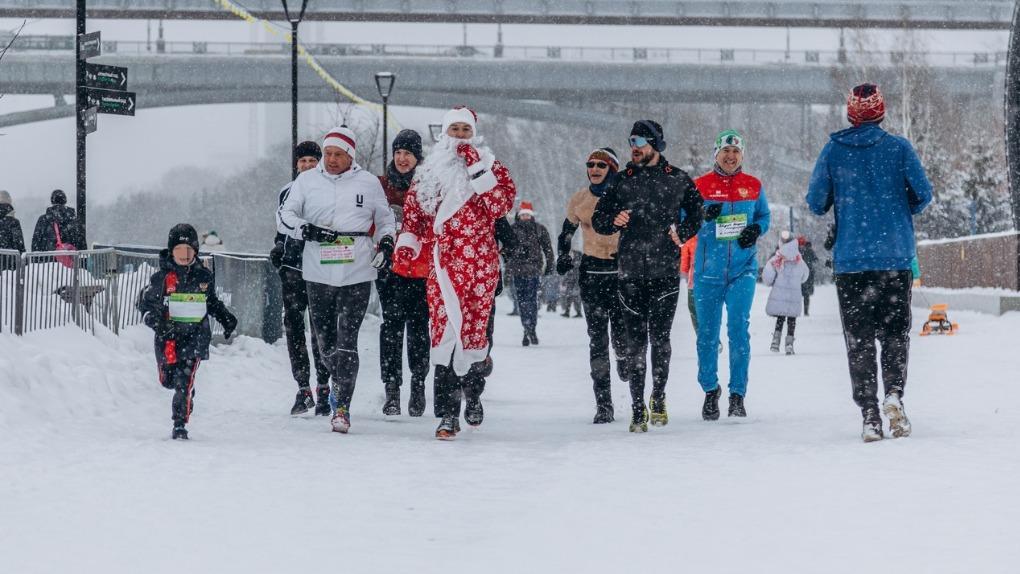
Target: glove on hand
x: 749, y: 236
x: 469, y: 153
x: 712, y: 211
x: 229, y: 325
x: 315, y: 233
x: 384, y: 257
x: 564, y: 263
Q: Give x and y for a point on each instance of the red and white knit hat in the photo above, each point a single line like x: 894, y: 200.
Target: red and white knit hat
x: 460, y: 115
x: 865, y: 105
x: 341, y: 137
x: 526, y: 209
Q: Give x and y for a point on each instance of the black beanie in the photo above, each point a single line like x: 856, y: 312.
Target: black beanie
x: 58, y: 197
x: 305, y: 149
x: 182, y: 234
x: 408, y: 140
x: 651, y: 131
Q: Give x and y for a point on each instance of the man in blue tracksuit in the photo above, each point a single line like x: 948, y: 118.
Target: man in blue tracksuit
x: 725, y: 270
x: 875, y: 183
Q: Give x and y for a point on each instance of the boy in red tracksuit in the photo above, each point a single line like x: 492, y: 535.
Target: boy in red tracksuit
x: 176, y: 304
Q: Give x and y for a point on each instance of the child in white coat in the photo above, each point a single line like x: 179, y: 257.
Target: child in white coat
x: 785, y: 272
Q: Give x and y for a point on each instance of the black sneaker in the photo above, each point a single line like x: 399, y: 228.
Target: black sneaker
x: 392, y: 405
x: 736, y: 406
x: 872, y: 430
x: 447, y: 429
x: 710, y: 410
x: 603, y: 414
x: 416, y: 404
x: 322, y: 407
x: 179, y: 433
x: 533, y: 337
x: 303, y: 402
x: 525, y: 341
x: 473, y: 412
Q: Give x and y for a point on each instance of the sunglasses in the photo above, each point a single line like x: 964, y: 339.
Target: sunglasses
x: 598, y: 164
x: 638, y: 141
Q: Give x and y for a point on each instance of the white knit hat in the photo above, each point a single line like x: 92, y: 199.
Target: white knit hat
x: 460, y: 115
x: 341, y: 137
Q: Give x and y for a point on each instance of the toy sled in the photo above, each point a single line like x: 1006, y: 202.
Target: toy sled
x: 938, y: 322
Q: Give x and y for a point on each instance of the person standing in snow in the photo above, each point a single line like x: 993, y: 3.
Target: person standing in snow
x: 808, y: 287
x: 176, y: 304
x: 402, y: 292
x: 459, y: 192
x: 59, y: 222
x: 726, y: 269
x: 876, y: 184
x: 649, y: 202
x: 11, y: 236
x: 341, y: 212
x: 570, y: 291
x: 286, y: 256
x: 785, y: 272
x: 530, y: 261
x: 598, y: 278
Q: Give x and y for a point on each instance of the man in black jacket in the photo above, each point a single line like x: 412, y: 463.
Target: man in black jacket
x: 58, y: 219
x: 11, y: 236
x: 649, y: 200
x: 286, y: 257
x: 529, y: 261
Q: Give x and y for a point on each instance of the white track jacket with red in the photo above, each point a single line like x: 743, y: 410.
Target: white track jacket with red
x: 458, y: 193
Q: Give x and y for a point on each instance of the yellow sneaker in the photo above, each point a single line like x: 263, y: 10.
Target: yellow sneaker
x: 659, y: 418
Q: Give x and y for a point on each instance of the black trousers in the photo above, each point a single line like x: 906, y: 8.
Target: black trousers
x: 403, y: 305
x: 449, y: 389
x: 337, y: 313
x: 180, y: 377
x: 791, y: 321
x: 295, y: 302
x: 875, y: 305
x: 649, y: 306
x: 604, y: 315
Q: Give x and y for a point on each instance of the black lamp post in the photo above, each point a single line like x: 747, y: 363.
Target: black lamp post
x: 294, y: 19
x: 384, y: 82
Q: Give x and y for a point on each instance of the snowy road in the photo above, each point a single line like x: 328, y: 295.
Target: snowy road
x: 90, y: 482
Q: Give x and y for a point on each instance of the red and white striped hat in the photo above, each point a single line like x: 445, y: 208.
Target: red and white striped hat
x: 341, y: 137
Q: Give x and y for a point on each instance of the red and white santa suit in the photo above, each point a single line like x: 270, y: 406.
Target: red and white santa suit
x: 457, y: 194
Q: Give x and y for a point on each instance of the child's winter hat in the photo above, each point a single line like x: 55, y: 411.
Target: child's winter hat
x: 182, y: 234
x: 342, y: 137
x: 460, y: 115
x: 728, y: 138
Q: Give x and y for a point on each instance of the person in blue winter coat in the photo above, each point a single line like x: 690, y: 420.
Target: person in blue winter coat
x: 875, y: 184
x: 725, y: 270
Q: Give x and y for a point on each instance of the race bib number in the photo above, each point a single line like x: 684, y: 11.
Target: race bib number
x: 187, y: 307
x: 728, y: 227
x: 339, y: 253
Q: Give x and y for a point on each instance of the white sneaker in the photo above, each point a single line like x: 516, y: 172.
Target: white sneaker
x: 872, y: 431
x: 899, y: 424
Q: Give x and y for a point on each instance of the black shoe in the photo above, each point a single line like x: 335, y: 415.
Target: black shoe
x: 533, y: 337
x: 567, y: 314
x: 416, y: 404
x: 710, y: 410
x: 179, y: 433
x: 473, y: 413
x: 392, y: 405
x: 303, y: 402
x: 322, y: 407
x: 603, y: 414
x: 736, y: 406
x: 525, y: 341
x: 447, y: 429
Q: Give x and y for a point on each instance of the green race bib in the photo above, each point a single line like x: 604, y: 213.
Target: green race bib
x: 187, y: 307
x: 728, y: 227
x: 339, y: 253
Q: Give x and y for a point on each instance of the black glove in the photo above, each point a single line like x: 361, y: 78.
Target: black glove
x: 564, y: 263
x: 229, y: 325
x: 828, y: 263
x: 166, y: 328
x: 276, y: 255
x: 749, y: 236
x: 315, y: 233
x: 384, y: 257
x: 712, y: 211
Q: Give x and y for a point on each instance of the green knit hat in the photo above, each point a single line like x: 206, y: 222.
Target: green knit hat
x: 728, y: 138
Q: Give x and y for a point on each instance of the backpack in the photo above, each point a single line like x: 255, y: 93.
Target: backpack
x: 65, y: 260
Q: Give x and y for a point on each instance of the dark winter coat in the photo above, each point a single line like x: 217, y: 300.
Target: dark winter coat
x: 190, y: 340
x: 533, y: 255
x: 293, y: 249
x: 44, y: 238
x: 10, y: 230
x: 657, y: 196
x: 807, y: 288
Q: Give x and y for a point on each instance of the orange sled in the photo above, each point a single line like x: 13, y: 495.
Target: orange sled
x: 938, y: 322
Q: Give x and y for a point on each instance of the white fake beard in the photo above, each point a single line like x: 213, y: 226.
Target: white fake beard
x: 443, y: 173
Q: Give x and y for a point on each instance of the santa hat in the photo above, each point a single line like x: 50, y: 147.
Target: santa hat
x: 341, y: 137
x: 865, y: 105
x: 526, y: 209
x: 460, y: 115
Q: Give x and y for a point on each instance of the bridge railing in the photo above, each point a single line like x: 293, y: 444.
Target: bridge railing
x: 568, y: 53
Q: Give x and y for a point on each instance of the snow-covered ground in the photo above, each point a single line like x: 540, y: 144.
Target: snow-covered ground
x: 91, y: 482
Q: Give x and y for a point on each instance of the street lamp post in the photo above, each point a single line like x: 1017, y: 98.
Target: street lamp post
x: 384, y: 82
x: 294, y: 19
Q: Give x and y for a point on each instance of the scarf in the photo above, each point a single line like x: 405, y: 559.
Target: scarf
x: 400, y: 181
x: 600, y: 189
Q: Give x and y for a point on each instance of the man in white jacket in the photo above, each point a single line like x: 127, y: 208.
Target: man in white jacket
x: 341, y: 212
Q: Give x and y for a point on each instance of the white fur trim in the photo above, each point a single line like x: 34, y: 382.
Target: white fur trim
x: 459, y: 116
x: 408, y: 239
x: 484, y: 182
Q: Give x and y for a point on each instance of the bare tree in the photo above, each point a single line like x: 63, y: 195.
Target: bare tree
x: 366, y: 124
x: 10, y: 42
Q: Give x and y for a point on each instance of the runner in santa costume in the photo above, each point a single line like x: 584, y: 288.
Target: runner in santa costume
x: 458, y: 193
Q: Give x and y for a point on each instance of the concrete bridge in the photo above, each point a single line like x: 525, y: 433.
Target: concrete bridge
x: 935, y: 14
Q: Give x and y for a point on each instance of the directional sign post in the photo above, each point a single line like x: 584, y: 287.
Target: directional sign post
x: 91, y: 45
x: 112, y: 101
x: 108, y: 77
